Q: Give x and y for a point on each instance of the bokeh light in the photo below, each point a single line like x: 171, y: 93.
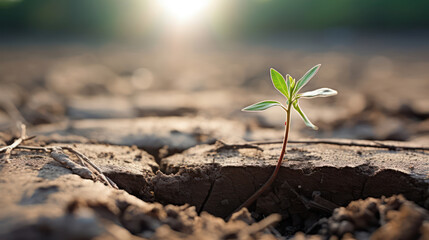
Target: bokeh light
x: 184, y: 11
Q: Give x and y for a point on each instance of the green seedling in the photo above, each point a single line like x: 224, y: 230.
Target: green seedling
x: 290, y: 89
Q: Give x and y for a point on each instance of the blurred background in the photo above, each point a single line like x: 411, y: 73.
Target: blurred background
x: 67, y: 60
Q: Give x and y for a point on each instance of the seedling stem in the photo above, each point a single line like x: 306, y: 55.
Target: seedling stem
x: 267, y: 184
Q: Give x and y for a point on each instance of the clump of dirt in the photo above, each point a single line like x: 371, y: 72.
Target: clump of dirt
x: 90, y: 219
x: 383, y: 218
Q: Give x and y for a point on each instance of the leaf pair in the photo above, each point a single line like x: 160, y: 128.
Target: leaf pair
x: 290, y: 89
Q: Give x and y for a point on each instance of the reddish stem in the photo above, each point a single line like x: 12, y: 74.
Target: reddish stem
x: 268, y: 183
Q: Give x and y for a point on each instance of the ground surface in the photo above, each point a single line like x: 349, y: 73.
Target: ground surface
x: 46, y: 200
x: 167, y: 129
x: 382, y: 87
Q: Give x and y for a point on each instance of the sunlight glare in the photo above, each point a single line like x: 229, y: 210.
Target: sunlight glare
x: 184, y: 10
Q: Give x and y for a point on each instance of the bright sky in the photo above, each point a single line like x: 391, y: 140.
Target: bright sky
x: 184, y: 11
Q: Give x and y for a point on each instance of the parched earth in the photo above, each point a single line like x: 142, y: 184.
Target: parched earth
x: 184, y: 157
x: 382, y: 89
x: 342, y: 188
x: 45, y: 201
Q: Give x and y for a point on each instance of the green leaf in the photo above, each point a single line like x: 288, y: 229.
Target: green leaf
x: 303, y: 116
x: 321, y: 92
x: 279, y: 82
x: 288, y: 85
x: 261, y: 106
x: 306, y: 78
x: 291, y: 81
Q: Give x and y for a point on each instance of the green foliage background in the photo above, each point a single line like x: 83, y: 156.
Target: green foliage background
x: 112, y: 18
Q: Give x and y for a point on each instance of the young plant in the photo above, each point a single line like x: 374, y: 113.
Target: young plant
x: 290, y: 89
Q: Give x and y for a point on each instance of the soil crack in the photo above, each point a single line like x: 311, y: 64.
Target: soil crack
x: 221, y: 146
x: 209, y: 193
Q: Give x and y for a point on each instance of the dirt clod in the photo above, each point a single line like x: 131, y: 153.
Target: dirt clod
x: 384, y: 218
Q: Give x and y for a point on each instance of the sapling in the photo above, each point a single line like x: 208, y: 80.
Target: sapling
x: 290, y: 89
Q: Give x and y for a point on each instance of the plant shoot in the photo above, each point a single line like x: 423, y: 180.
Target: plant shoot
x: 289, y: 88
